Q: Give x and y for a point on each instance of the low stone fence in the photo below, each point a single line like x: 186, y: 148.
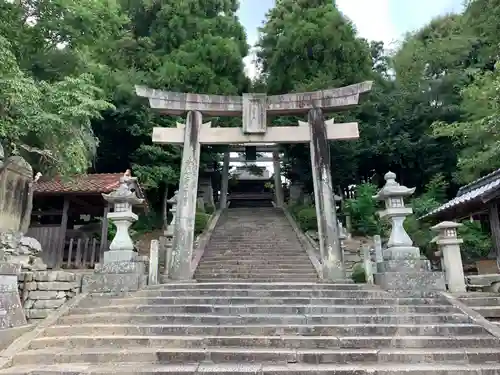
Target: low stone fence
x: 44, y: 291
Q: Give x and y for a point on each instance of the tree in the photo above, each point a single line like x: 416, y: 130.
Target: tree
x: 48, y: 122
x: 478, y: 135
x: 310, y: 45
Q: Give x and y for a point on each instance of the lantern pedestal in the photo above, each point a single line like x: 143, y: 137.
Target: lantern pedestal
x: 402, y: 267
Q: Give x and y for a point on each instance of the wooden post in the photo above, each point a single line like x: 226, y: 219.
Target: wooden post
x: 104, y: 231
x: 62, y: 233
x: 495, y: 230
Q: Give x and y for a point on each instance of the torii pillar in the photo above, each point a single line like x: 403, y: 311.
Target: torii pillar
x: 254, y: 108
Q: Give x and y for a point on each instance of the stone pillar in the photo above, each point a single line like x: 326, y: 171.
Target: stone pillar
x: 449, y: 246
x: 278, y: 186
x: 183, y: 241
x: 296, y: 192
x: 225, y: 181
x: 377, y: 244
x: 153, y: 262
x: 402, y: 268
x: 333, y: 267
x: 169, y: 234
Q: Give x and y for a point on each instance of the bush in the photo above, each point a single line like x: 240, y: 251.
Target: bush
x: 363, y: 211
x: 477, y: 241
x: 358, y: 274
x: 306, y: 218
x: 209, y: 209
x: 200, y: 222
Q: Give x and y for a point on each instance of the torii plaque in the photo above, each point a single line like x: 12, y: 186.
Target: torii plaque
x: 254, y: 109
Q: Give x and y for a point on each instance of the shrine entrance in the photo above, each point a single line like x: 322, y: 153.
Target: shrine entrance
x: 254, y: 109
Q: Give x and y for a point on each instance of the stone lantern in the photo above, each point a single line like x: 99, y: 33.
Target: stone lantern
x: 402, y: 268
x: 171, y: 226
x: 122, y: 200
x: 400, y: 245
x: 451, y: 258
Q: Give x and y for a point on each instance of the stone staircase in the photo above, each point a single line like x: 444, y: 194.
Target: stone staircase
x: 262, y: 328
x: 256, y: 244
x: 486, y: 304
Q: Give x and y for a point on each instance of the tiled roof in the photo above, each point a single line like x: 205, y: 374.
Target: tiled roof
x: 474, y: 191
x: 89, y: 183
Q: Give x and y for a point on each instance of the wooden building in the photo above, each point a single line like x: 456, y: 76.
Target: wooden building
x: 69, y: 218
x: 480, y: 200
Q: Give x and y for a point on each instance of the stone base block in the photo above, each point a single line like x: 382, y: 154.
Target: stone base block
x: 11, y: 310
x: 411, y: 281
x: 114, y: 256
x: 115, y: 278
x: 404, y: 265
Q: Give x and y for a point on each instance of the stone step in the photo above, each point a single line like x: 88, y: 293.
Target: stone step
x: 445, y: 329
x: 270, y: 309
x: 243, y: 300
x: 239, y: 355
x: 488, y: 311
x: 482, y: 301
x: 203, y: 318
x: 277, y: 278
x: 257, y: 266
x: 262, y: 293
x: 293, y: 342
x: 251, y: 261
x: 259, y: 271
x: 264, y: 285
x: 271, y: 258
x: 131, y: 368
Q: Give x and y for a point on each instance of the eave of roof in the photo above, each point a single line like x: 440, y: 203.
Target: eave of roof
x: 480, y: 190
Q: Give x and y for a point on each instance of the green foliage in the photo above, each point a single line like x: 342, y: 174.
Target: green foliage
x: 49, y: 123
x: 306, y: 218
x: 363, y: 211
x: 358, y: 274
x: 477, y: 241
x: 201, y: 222
x: 478, y: 135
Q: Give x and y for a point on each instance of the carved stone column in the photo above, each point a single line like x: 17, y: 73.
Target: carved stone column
x: 183, y: 241
x: 325, y: 203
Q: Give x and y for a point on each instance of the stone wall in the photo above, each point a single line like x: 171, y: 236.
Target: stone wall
x: 44, y: 291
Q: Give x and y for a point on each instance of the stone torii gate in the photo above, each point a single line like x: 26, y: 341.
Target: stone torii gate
x: 254, y: 109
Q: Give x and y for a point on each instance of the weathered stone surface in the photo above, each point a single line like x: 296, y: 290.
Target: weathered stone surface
x: 11, y: 311
x: 49, y: 304
x: 183, y: 241
x: 112, y: 283
x: 57, y: 285
x: 54, y: 276
x: 47, y: 294
x: 411, y: 280
x: 329, y: 241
